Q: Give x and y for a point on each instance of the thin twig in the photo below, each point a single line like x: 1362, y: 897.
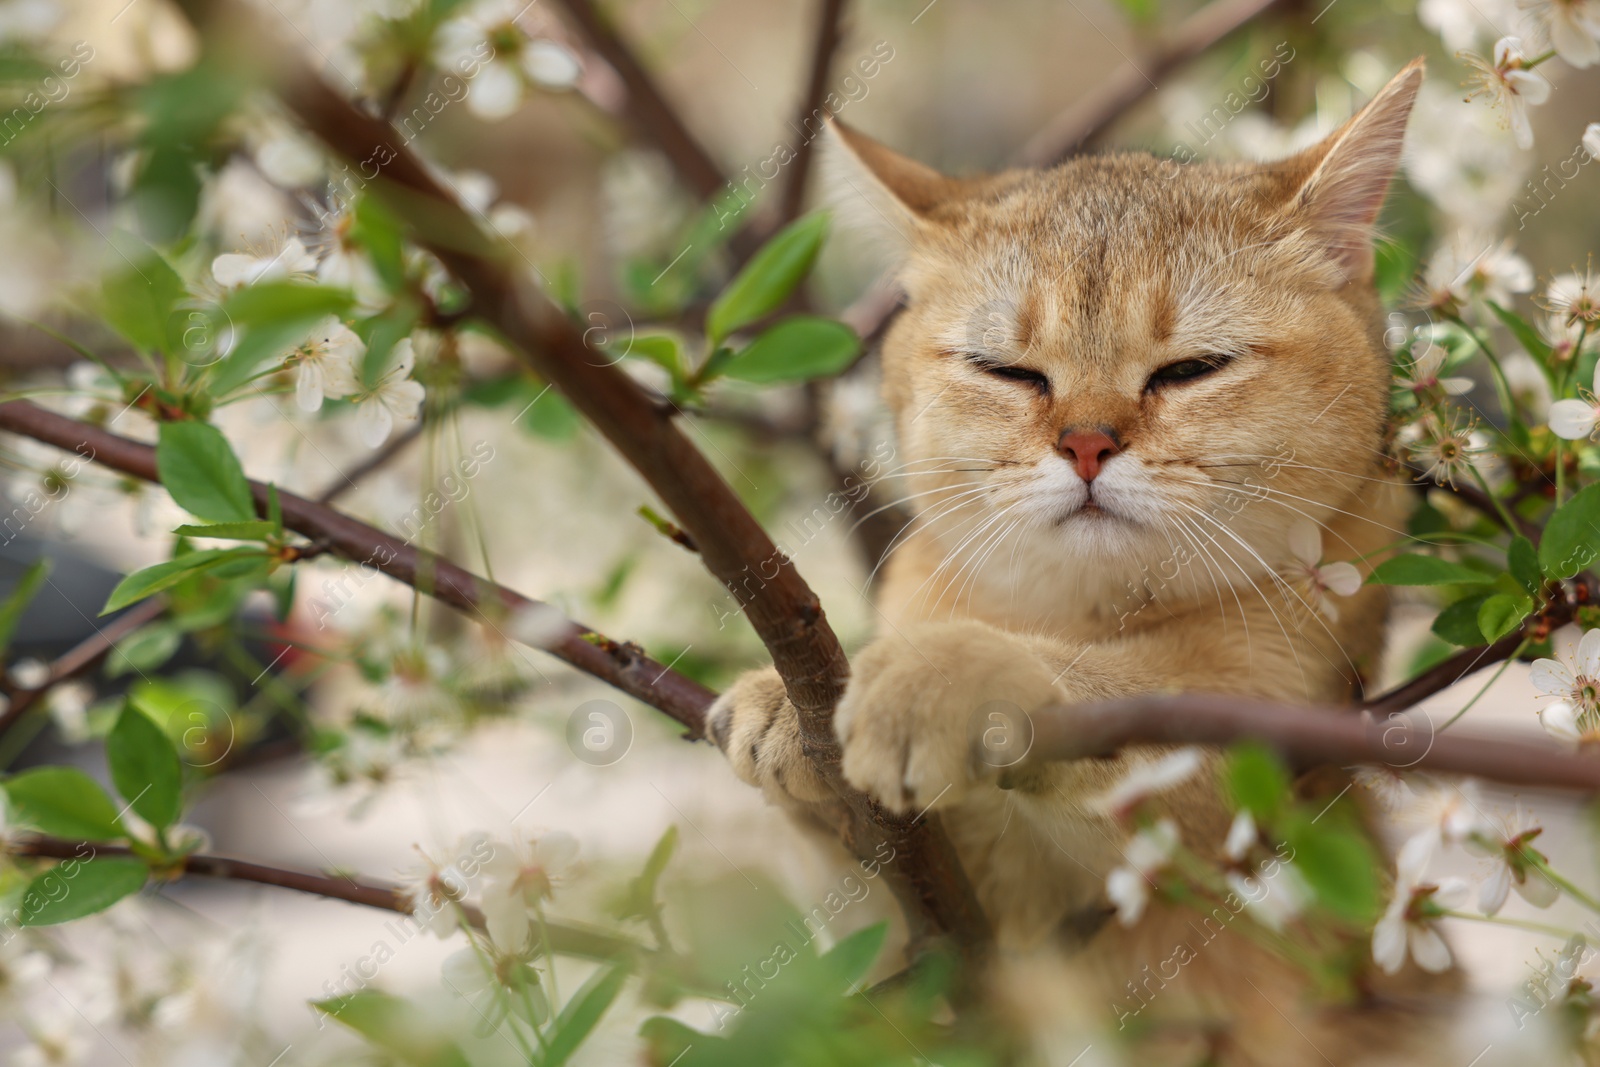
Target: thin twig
x: 1127, y: 86
x: 348, y: 481
x: 825, y: 42
x: 623, y: 665
x: 81, y: 657
x: 648, y: 111
x: 565, y: 939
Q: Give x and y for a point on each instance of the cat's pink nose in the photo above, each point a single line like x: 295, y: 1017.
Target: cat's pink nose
x: 1088, y: 450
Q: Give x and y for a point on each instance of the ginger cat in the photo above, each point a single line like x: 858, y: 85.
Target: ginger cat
x: 1120, y: 383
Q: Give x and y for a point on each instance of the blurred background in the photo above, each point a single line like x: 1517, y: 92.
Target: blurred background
x: 293, y: 717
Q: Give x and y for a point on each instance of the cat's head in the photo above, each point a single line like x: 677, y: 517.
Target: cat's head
x: 1095, y: 357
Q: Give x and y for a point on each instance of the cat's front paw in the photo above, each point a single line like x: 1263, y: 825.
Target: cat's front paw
x: 758, y: 729
x: 913, y: 717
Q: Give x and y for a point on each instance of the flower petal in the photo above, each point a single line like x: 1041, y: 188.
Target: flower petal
x: 496, y: 92
x: 1241, y: 835
x: 1553, y: 677
x: 1572, y: 419
x: 1588, y: 659
x: 1537, y: 889
x: 1429, y: 950
x: 373, y: 422
x: 1389, y: 943
x: 1341, y: 578
x: 1305, y: 541
x: 308, y: 386
x: 1560, y: 721
x: 1493, y: 892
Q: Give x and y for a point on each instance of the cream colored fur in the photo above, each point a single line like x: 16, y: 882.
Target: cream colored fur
x: 1008, y: 592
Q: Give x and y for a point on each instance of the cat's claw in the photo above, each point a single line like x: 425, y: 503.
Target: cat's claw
x: 917, y: 706
x: 758, y: 729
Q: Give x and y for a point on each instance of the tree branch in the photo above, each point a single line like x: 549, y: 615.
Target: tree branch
x: 825, y: 42
x: 81, y: 657
x: 1127, y: 86
x: 648, y: 112
x: 565, y: 939
x: 1306, y: 736
x: 622, y: 664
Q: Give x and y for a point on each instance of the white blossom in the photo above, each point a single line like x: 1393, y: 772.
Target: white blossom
x: 518, y: 878
x: 1423, y: 374
x: 1510, y: 87
x: 1591, y: 140
x: 1128, y: 885
x: 491, y: 27
x: 1561, y: 721
x: 1508, y: 845
x: 435, y: 888
x: 1149, y: 777
x: 1241, y: 835
x: 327, y: 364
x: 1407, y: 923
x: 238, y: 268
x: 495, y: 983
x: 1470, y: 266
x: 1576, y: 682
x: 1313, y: 579
x: 1572, y: 27
x: 393, y: 398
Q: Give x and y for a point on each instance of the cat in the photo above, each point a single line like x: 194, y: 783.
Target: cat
x: 1124, y: 387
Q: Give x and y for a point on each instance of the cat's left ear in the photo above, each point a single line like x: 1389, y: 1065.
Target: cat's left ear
x: 1347, y: 175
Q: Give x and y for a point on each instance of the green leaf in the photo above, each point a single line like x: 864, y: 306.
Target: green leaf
x: 1256, y: 780
x: 1571, y: 539
x: 145, y: 767
x: 138, y: 298
x: 199, y: 469
x: 638, y: 900
x: 1422, y: 570
x: 1339, y: 865
x: 581, y: 1014
x: 1502, y: 613
x: 1522, y: 560
x: 848, y: 962
x: 1525, y: 334
x: 274, y: 509
x: 145, y: 649
x: 1394, y: 265
x: 796, y: 350
x: 63, y: 802
x: 17, y: 602
x: 254, y: 530
x: 769, y: 277
x: 1458, y: 623
x: 76, y: 888
x: 551, y: 417
x: 143, y: 583
x: 394, y: 1026
x: 662, y: 349
x: 274, y: 301
x: 377, y: 230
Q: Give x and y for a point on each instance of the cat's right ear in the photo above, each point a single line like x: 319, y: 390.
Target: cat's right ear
x: 876, y: 189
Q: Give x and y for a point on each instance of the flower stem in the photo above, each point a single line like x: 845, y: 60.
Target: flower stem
x: 1486, y: 685
x: 1561, y: 883
x: 1501, y: 920
x: 1483, y: 483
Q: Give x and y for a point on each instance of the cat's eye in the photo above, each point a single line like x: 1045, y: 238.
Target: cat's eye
x: 1015, y: 374
x: 1185, y: 370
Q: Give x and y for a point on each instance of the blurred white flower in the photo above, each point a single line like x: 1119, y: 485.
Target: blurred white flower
x: 291, y: 161
x: 327, y: 364
x: 1461, y: 24
x: 1527, y: 382
x: 1458, y: 156
x: 281, y: 261
x: 1576, y: 682
x: 1410, y: 917
x: 495, y: 984
x: 1147, y: 778
x: 517, y: 879
x: 1128, y: 885
x: 1508, y: 845
x: 1423, y: 374
x: 1470, y: 266
x: 27, y: 20
x: 1591, y: 140
x: 1571, y: 26
x: 515, y: 59
x: 393, y: 398
x: 347, y: 265
x: 55, y: 1040
x: 22, y: 968
x: 1274, y: 902
x: 1312, y: 578
x: 1574, y: 297
x: 1576, y: 419
x: 1241, y: 835
x: 1509, y: 87
x: 69, y: 708
x: 435, y: 888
